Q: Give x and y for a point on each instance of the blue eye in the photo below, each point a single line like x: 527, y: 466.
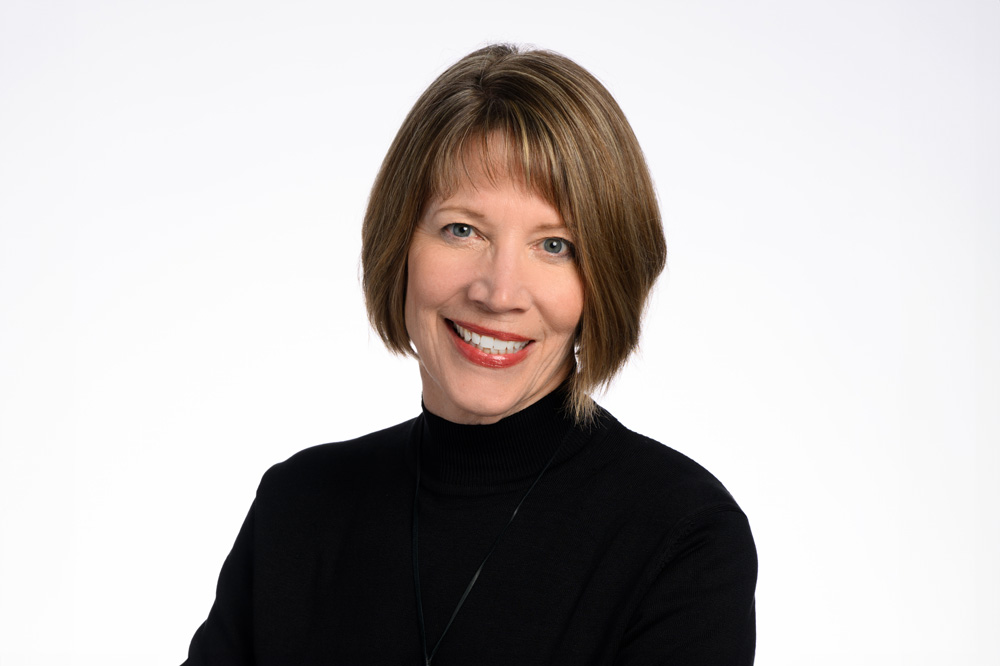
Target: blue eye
x: 557, y: 246
x: 460, y: 230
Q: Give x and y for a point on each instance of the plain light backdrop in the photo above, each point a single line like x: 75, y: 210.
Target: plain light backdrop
x: 181, y: 189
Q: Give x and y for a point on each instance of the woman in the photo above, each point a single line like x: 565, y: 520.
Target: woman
x: 510, y: 242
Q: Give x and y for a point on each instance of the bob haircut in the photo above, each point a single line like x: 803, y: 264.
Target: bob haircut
x: 539, y: 117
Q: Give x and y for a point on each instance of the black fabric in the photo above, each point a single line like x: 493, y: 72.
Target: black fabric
x: 626, y: 552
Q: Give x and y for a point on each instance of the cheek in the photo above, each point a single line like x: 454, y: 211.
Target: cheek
x: 574, y: 302
x: 426, y: 288
x: 566, y: 306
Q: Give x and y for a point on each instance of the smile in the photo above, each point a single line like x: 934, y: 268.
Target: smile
x: 489, y: 344
x: 491, y: 349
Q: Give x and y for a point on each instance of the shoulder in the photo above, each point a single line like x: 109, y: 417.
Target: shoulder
x: 698, y: 521
x: 662, y: 484
x: 697, y: 598
x: 340, y: 463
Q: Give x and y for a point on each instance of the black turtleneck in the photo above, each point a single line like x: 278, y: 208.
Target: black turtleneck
x: 486, y: 456
x: 626, y: 552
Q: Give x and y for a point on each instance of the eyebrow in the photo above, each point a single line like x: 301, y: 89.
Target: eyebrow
x: 460, y: 209
x: 560, y: 226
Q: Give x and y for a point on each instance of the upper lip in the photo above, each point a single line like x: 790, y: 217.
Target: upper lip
x: 499, y: 335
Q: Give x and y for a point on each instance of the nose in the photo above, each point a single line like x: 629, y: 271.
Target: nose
x: 501, y: 283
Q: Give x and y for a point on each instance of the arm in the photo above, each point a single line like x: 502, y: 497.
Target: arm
x: 699, y: 609
x: 225, y: 638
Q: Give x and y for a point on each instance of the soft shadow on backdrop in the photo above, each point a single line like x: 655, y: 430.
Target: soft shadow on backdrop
x: 181, y: 188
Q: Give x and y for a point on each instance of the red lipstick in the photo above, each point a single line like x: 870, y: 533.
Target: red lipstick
x: 502, y: 335
x: 478, y: 356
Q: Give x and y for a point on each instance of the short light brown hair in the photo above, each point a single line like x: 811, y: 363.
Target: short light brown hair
x: 563, y: 133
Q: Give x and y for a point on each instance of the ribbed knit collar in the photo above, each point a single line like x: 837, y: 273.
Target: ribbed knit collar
x: 512, y: 449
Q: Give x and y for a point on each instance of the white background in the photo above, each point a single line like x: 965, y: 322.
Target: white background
x: 181, y: 188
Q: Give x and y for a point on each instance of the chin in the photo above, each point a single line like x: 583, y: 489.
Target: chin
x: 485, y: 408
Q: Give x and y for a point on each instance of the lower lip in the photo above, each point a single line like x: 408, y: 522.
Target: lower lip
x: 479, y: 357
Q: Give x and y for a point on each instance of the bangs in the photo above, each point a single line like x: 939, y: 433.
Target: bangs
x: 539, y: 121
x: 500, y: 153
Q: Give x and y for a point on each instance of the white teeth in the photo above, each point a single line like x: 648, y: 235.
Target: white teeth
x: 489, y: 344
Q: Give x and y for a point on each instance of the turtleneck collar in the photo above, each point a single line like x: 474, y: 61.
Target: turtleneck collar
x: 512, y: 449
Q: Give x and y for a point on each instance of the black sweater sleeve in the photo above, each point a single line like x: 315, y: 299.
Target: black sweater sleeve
x: 225, y: 638
x: 699, y: 610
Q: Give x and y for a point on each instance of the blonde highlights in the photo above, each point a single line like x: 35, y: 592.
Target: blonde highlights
x: 539, y: 117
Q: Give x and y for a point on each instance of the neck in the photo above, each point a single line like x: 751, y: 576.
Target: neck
x: 509, y: 450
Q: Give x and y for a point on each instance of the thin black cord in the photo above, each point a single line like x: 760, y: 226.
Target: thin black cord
x: 475, y: 576
x: 416, y: 559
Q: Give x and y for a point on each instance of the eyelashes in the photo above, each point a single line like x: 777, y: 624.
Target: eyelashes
x: 558, y: 247
x: 553, y: 246
x: 459, y: 230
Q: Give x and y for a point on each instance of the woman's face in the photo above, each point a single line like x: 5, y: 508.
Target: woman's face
x: 493, y: 300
